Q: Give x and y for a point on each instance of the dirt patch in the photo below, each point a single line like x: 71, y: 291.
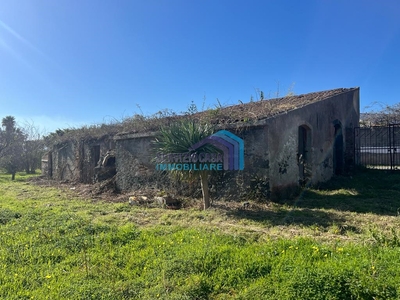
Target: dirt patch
x: 104, y: 190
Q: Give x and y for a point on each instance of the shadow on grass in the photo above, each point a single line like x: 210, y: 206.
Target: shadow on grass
x: 289, y: 216
x: 368, y: 191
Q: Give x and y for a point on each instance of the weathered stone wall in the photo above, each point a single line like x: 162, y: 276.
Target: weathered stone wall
x: 75, y: 160
x: 320, y: 118
x: 64, y: 166
x: 136, y: 168
x: 253, y: 181
x: 46, y: 164
x: 91, y: 152
x: 134, y: 162
x: 271, y: 152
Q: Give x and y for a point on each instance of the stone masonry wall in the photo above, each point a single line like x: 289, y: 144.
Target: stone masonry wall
x: 271, y: 152
x: 136, y: 168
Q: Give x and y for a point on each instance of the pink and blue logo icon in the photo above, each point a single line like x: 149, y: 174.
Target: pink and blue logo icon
x: 231, y: 146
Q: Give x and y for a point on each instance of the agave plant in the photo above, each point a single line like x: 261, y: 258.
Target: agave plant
x: 179, y: 138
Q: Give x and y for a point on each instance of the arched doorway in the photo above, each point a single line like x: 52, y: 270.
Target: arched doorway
x: 304, y: 154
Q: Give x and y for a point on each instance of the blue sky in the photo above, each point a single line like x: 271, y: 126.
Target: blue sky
x: 66, y: 63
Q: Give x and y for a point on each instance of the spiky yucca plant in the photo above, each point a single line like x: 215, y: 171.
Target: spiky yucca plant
x: 178, y: 138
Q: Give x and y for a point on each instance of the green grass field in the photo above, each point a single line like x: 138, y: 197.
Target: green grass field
x: 338, y: 241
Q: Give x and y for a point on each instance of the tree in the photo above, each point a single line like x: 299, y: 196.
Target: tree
x: 178, y: 138
x: 12, y: 146
x: 6, y: 136
x: 34, y: 147
x: 385, y: 115
x: 8, y: 123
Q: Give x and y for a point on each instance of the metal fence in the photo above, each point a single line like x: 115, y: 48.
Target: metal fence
x: 378, y: 146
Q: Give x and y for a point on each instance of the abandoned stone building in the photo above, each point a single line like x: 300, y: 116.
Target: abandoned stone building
x: 77, y: 159
x: 289, y: 141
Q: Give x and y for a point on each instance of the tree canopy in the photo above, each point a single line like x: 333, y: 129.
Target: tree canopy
x: 20, y: 148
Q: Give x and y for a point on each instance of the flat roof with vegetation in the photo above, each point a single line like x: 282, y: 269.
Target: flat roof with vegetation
x: 246, y: 113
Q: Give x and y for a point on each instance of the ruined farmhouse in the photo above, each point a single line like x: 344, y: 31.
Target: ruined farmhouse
x: 288, y: 142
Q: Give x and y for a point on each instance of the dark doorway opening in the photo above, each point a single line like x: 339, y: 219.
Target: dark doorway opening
x: 304, y: 154
x: 96, y: 154
x: 110, y: 162
x: 338, y: 151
